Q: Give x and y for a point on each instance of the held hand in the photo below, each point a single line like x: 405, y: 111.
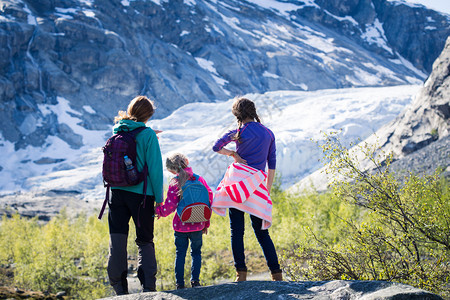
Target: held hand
x: 205, y: 230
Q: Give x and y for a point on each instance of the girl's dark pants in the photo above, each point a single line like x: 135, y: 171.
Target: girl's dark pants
x: 237, y: 225
x: 123, y: 206
x: 182, y: 240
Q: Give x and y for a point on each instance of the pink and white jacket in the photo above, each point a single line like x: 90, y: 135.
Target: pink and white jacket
x: 244, y: 188
x: 171, y: 203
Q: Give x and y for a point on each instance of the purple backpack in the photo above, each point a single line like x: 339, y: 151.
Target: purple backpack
x: 114, y: 170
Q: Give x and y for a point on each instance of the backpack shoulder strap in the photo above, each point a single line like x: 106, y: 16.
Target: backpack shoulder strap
x: 135, y: 132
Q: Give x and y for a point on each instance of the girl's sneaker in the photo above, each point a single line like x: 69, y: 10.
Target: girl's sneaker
x: 195, y: 283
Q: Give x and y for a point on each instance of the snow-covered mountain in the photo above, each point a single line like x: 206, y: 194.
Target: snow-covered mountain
x: 67, y: 67
x: 99, y: 54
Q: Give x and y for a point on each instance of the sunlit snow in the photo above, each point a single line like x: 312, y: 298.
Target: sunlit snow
x: 297, y: 119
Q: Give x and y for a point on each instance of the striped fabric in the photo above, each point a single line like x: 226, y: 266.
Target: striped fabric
x: 244, y: 188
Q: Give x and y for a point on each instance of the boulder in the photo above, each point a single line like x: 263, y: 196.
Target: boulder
x: 337, y: 289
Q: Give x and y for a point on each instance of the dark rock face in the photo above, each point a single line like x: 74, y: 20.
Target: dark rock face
x: 414, y: 33
x: 100, y: 54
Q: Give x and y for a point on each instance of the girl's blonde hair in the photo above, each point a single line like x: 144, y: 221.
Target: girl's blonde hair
x: 243, y: 109
x: 176, y: 163
x: 140, y: 109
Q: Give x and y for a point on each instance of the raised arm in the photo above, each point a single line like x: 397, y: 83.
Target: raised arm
x: 225, y: 140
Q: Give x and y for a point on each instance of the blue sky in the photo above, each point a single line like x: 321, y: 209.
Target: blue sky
x: 439, y: 5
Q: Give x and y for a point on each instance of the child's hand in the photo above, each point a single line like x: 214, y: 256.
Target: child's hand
x: 205, y: 230
x: 156, y: 214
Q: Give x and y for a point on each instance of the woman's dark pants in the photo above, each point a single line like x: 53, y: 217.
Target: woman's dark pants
x: 123, y: 206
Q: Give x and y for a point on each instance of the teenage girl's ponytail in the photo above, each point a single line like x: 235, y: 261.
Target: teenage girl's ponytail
x: 177, y: 163
x: 243, y: 109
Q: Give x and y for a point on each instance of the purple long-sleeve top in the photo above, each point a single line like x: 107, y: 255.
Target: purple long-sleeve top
x: 171, y: 204
x: 256, y: 145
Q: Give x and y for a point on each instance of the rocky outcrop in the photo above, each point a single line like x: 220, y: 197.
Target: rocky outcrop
x: 338, y: 289
x: 427, y: 119
x: 99, y: 54
x: 435, y: 156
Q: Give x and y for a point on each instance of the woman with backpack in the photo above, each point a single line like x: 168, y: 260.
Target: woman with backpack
x: 246, y: 186
x: 189, y: 229
x: 136, y: 201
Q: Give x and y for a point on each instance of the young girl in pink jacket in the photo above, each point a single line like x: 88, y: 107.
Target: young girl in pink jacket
x: 178, y: 164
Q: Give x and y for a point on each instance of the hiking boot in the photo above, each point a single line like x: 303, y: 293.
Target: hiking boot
x: 180, y: 287
x: 195, y: 284
x: 120, y: 289
x: 146, y: 290
x: 277, y: 276
x: 241, y: 276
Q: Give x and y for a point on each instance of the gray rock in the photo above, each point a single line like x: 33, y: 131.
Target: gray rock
x: 48, y: 160
x: 338, y: 289
x: 425, y: 160
x: 427, y: 118
x: 46, y: 205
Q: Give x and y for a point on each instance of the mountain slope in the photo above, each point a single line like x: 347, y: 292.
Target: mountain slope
x: 425, y: 121
x: 99, y: 54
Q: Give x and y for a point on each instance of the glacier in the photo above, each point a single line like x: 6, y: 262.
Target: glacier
x: 297, y: 118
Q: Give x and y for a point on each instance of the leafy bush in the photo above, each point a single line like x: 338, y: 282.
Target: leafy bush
x: 371, y: 226
x: 403, y: 237
x: 62, y: 255
x: 70, y: 255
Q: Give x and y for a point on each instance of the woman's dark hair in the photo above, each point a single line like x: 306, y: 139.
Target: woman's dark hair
x: 140, y: 109
x: 243, y: 109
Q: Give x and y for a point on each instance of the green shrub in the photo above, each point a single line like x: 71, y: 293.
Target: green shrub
x: 70, y: 254
x: 403, y: 237
x: 371, y: 226
x: 61, y: 255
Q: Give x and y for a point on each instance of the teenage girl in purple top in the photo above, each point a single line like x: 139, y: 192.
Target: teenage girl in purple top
x: 255, y: 146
